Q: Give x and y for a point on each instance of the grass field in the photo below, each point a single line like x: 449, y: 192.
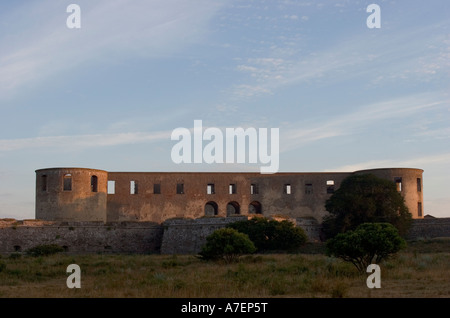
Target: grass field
x: 422, y: 270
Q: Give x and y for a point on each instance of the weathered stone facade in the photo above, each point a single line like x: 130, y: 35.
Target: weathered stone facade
x: 188, y: 236
x: 81, y: 237
x: 78, y: 194
x: 429, y: 228
x: 71, y: 194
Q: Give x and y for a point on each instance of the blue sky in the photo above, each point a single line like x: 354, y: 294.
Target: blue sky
x: 108, y: 95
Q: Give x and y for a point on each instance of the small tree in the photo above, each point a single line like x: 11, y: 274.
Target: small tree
x: 362, y: 199
x: 227, y: 244
x: 272, y: 235
x: 369, y: 243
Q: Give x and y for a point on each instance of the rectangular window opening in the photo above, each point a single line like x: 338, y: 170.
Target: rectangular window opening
x: 254, y: 189
x: 210, y: 188
x: 330, y: 186
x: 180, y: 188
x: 157, y: 188
x: 232, y: 188
x: 419, y: 185
x: 94, y: 184
x: 398, y: 183
x: 287, y: 189
x: 419, y: 209
x: 308, y: 188
x: 67, y: 182
x: 44, y: 182
x: 111, y: 187
x: 133, y: 187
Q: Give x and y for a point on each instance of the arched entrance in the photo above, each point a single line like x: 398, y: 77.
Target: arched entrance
x: 211, y: 208
x: 233, y: 208
x: 255, y: 208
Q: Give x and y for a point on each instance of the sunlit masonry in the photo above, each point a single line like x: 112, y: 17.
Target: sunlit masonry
x: 91, y: 210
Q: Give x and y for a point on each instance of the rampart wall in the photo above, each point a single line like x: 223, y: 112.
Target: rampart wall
x: 429, y: 228
x: 188, y: 236
x: 81, y: 237
x: 175, y: 236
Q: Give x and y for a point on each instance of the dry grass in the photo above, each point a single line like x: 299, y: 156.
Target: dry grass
x: 422, y: 270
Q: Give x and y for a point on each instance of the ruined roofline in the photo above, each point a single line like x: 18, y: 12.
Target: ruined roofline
x: 226, y: 172
x: 388, y: 168
x: 233, y: 172
x: 69, y: 168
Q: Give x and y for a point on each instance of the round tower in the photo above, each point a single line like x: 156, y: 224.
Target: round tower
x: 71, y: 194
x: 409, y: 183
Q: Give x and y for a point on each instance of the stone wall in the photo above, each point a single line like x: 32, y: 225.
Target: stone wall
x: 81, y: 237
x: 429, y: 228
x: 183, y: 236
x: 312, y: 228
x: 174, y: 236
x: 71, y: 194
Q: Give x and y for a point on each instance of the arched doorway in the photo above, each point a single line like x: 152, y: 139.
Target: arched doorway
x: 211, y: 208
x: 233, y: 208
x: 255, y: 208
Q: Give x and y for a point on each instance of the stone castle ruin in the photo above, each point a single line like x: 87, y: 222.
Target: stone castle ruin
x: 90, y: 210
x: 78, y: 194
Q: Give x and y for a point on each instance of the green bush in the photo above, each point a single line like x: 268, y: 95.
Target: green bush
x: 2, y: 267
x: 44, y: 250
x: 368, y: 243
x: 227, y: 244
x: 271, y: 235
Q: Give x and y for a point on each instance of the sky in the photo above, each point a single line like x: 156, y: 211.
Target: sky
x: 109, y: 94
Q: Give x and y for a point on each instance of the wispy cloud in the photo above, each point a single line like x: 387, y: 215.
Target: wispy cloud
x: 389, y: 163
x: 108, y: 30
x: 438, y: 134
x: 419, y: 55
x: 365, y: 116
x: 81, y: 142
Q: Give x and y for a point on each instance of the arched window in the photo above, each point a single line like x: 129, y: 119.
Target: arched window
x: 255, y: 208
x: 211, y: 208
x: 233, y: 208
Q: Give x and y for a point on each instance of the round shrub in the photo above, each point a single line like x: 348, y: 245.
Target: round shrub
x: 271, y: 235
x: 227, y: 244
x: 368, y: 243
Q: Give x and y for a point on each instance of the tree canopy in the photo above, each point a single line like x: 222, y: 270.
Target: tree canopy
x: 365, y: 198
x: 368, y: 243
